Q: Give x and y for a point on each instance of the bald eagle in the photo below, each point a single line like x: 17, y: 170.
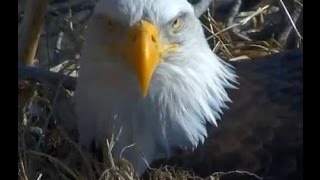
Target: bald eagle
x: 148, y: 77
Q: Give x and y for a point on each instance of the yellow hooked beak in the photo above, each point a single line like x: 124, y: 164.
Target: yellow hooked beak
x: 143, y: 52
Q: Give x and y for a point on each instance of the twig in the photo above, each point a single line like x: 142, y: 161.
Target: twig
x: 290, y: 19
x: 78, y: 148
x: 245, y: 20
x: 57, y: 162
x: 39, y: 177
x: 23, y: 170
x: 211, y: 30
x: 298, y: 2
x: 288, y: 37
x: 220, y: 174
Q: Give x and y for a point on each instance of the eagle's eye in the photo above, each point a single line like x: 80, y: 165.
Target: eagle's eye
x: 109, y: 24
x: 105, y: 22
x: 176, y: 25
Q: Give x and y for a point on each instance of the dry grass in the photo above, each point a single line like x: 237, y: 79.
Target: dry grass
x: 48, y: 151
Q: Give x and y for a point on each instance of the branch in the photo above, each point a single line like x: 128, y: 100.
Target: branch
x: 68, y: 82
x: 31, y: 29
x: 288, y: 37
x: 293, y: 22
x: 37, y: 75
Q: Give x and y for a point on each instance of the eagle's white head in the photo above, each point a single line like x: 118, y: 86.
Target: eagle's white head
x: 148, y: 76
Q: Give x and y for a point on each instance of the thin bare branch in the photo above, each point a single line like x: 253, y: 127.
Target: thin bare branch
x: 290, y: 18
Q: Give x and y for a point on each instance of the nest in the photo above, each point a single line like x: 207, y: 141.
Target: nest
x: 48, y: 151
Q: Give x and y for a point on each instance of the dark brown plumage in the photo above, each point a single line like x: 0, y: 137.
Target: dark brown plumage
x: 262, y: 132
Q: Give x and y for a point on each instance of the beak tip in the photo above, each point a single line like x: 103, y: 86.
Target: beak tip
x: 144, y: 92
x: 144, y: 95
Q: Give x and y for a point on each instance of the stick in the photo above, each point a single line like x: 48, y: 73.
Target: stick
x: 37, y: 75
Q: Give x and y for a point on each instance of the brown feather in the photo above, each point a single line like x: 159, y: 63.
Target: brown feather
x: 262, y: 132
